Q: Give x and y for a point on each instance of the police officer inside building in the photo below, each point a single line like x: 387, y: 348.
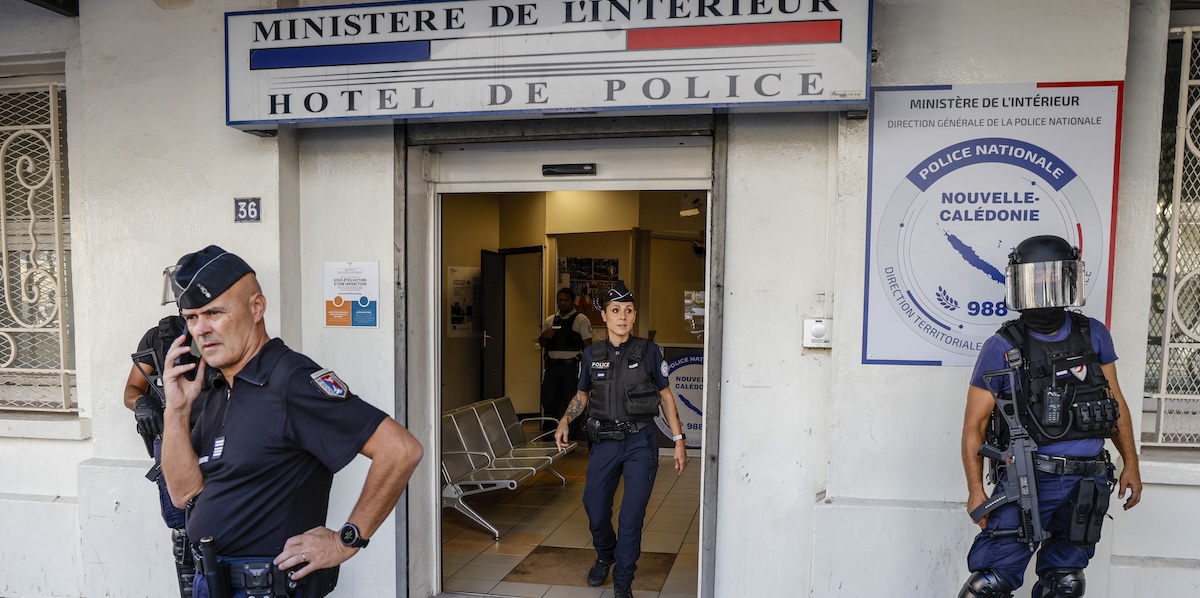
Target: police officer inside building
x: 622, y: 387
x: 564, y: 335
x: 255, y: 471
x: 1068, y: 400
x: 144, y: 396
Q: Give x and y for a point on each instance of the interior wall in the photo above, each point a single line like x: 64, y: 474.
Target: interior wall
x: 611, y: 245
x: 659, y: 211
x: 522, y: 326
x: 470, y: 223
x: 590, y: 211
x: 674, y: 268
x: 522, y: 220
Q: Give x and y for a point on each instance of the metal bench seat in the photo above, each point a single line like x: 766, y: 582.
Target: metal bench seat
x: 519, y: 443
x: 466, y: 473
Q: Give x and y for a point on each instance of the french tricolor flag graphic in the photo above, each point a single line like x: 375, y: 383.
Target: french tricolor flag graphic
x: 658, y: 38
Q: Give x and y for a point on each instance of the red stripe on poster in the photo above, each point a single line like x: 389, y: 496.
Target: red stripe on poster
x: 714, y: 36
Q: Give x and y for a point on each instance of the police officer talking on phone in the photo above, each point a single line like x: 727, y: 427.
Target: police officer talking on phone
x: 622, y: 387
x: 256, y: 470
x: 1068, y: 400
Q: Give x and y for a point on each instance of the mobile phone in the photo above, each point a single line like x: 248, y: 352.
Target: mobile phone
x: 192, y: 356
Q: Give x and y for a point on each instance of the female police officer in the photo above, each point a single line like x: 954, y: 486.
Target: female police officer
x: 622, y: 385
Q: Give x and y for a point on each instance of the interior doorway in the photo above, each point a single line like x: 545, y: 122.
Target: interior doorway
x: 582, y: 234
x: 528, y: 535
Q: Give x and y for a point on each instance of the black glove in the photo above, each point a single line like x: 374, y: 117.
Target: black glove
x: 148, y: 413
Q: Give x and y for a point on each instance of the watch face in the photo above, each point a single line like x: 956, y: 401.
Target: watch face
x: 349, y: 535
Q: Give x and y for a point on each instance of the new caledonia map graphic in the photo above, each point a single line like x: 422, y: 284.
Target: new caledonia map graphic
x: 958, y: 176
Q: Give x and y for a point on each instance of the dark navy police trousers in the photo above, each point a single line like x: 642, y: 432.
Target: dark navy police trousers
x: 171, y: 515
x: 634, y: 459
x: 1010, y: 557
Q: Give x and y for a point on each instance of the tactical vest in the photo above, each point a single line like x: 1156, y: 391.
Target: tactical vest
x: 622, y: 389
x: 169, y: 329
x: 1063, y: 392
x: 565, y: 337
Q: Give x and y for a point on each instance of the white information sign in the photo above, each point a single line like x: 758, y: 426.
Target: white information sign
x: 959, y: 175
x: 486, y: 57
x: 352, y: 294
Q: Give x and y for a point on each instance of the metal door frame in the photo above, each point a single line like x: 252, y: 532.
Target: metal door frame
x: 419, y: 223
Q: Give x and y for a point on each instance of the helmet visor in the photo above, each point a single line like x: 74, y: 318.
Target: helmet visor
x: 170, y: 290
x: 1044, y: 284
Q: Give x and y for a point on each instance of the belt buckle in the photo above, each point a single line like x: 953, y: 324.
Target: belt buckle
x: 1060, y: 464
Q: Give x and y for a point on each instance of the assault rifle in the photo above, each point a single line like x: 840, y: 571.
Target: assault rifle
x: 1020, y: 485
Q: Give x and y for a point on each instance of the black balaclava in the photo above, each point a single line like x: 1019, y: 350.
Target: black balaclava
x: 1046, y: 320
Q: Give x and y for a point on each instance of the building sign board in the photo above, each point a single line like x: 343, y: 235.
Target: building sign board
x: 959, y: 175
x: 473, y: 58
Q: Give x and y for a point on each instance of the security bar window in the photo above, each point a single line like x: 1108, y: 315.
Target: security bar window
x: 37, y: 361
x: 1172, y: 386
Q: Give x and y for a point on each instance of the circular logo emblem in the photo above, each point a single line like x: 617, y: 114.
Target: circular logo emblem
x: 944, y: 238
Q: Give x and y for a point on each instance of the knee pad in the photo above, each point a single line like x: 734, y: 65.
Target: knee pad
x: 1062, y: 583
x: 986, y: 584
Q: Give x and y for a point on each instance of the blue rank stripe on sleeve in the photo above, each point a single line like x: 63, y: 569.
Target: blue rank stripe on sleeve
x: 329, y: 384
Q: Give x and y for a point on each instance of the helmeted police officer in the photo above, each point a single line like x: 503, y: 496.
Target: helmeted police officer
x: 1068, y: 399
x: 565, y: 333
x: 144, y: 396
x: 623, y: 386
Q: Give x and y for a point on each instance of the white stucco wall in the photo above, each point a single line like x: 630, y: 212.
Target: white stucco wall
x: 346, y: 201
x: 890, y: 521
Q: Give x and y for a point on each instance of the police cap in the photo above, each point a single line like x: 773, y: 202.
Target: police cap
x: 618, y: 292
x: 204, y: 275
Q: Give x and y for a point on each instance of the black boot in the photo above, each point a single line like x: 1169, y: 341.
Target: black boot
x: 599, y: 572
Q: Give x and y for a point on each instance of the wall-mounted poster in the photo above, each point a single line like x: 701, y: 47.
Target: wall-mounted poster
x: 959, y: 175
x: 686, y: 375
x: 462, y: 299
x: 352, y: 294
x: 590, y: 278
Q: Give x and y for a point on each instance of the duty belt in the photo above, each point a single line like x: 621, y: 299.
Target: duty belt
x: 570, y: 361
x: 1068, y: 466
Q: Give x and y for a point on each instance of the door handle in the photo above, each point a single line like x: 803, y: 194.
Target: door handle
x: 486, y: 336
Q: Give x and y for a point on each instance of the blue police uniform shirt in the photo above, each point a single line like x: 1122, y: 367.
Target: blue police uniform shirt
x: 991, y: 358
x: 268, y: 450
x: 653, y: 357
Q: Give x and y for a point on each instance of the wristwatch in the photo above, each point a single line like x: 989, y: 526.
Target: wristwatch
x: 350, y: 536
x: 681, y: 436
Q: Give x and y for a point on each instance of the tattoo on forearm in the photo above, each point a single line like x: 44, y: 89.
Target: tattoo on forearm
x: 576, y: 407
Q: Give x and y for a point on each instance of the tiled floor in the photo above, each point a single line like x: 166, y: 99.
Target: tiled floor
x: 544, y: 512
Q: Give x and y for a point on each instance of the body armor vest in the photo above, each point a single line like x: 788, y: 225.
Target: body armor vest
x: 1063, y: 393
x: 622, y: 389
x: 565, y: 337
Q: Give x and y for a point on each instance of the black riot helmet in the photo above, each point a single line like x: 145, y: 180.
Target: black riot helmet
x: 1044, y: 272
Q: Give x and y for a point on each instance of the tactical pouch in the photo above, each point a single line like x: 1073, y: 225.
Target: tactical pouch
x: 1089, y: 506
x: 1096, y: 415
x: 598, y: 431
x: 642, y: 400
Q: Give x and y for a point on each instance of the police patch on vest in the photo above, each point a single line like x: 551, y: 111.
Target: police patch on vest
x: 329, y: 384
x: 601, y: 365
x: 662, y: 368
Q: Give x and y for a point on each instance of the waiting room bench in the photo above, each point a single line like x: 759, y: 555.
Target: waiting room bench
x: 484, y: 448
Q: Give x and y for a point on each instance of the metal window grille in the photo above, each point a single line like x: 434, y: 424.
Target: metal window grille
x: 37, y: 358
x: 1172, y: 386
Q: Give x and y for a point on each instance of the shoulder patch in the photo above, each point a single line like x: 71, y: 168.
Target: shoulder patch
x: 329, y: 384
x: 662, y: 368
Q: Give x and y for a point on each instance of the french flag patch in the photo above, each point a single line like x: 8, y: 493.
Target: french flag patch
x: 329, y: 384
x: 1079, y: 371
